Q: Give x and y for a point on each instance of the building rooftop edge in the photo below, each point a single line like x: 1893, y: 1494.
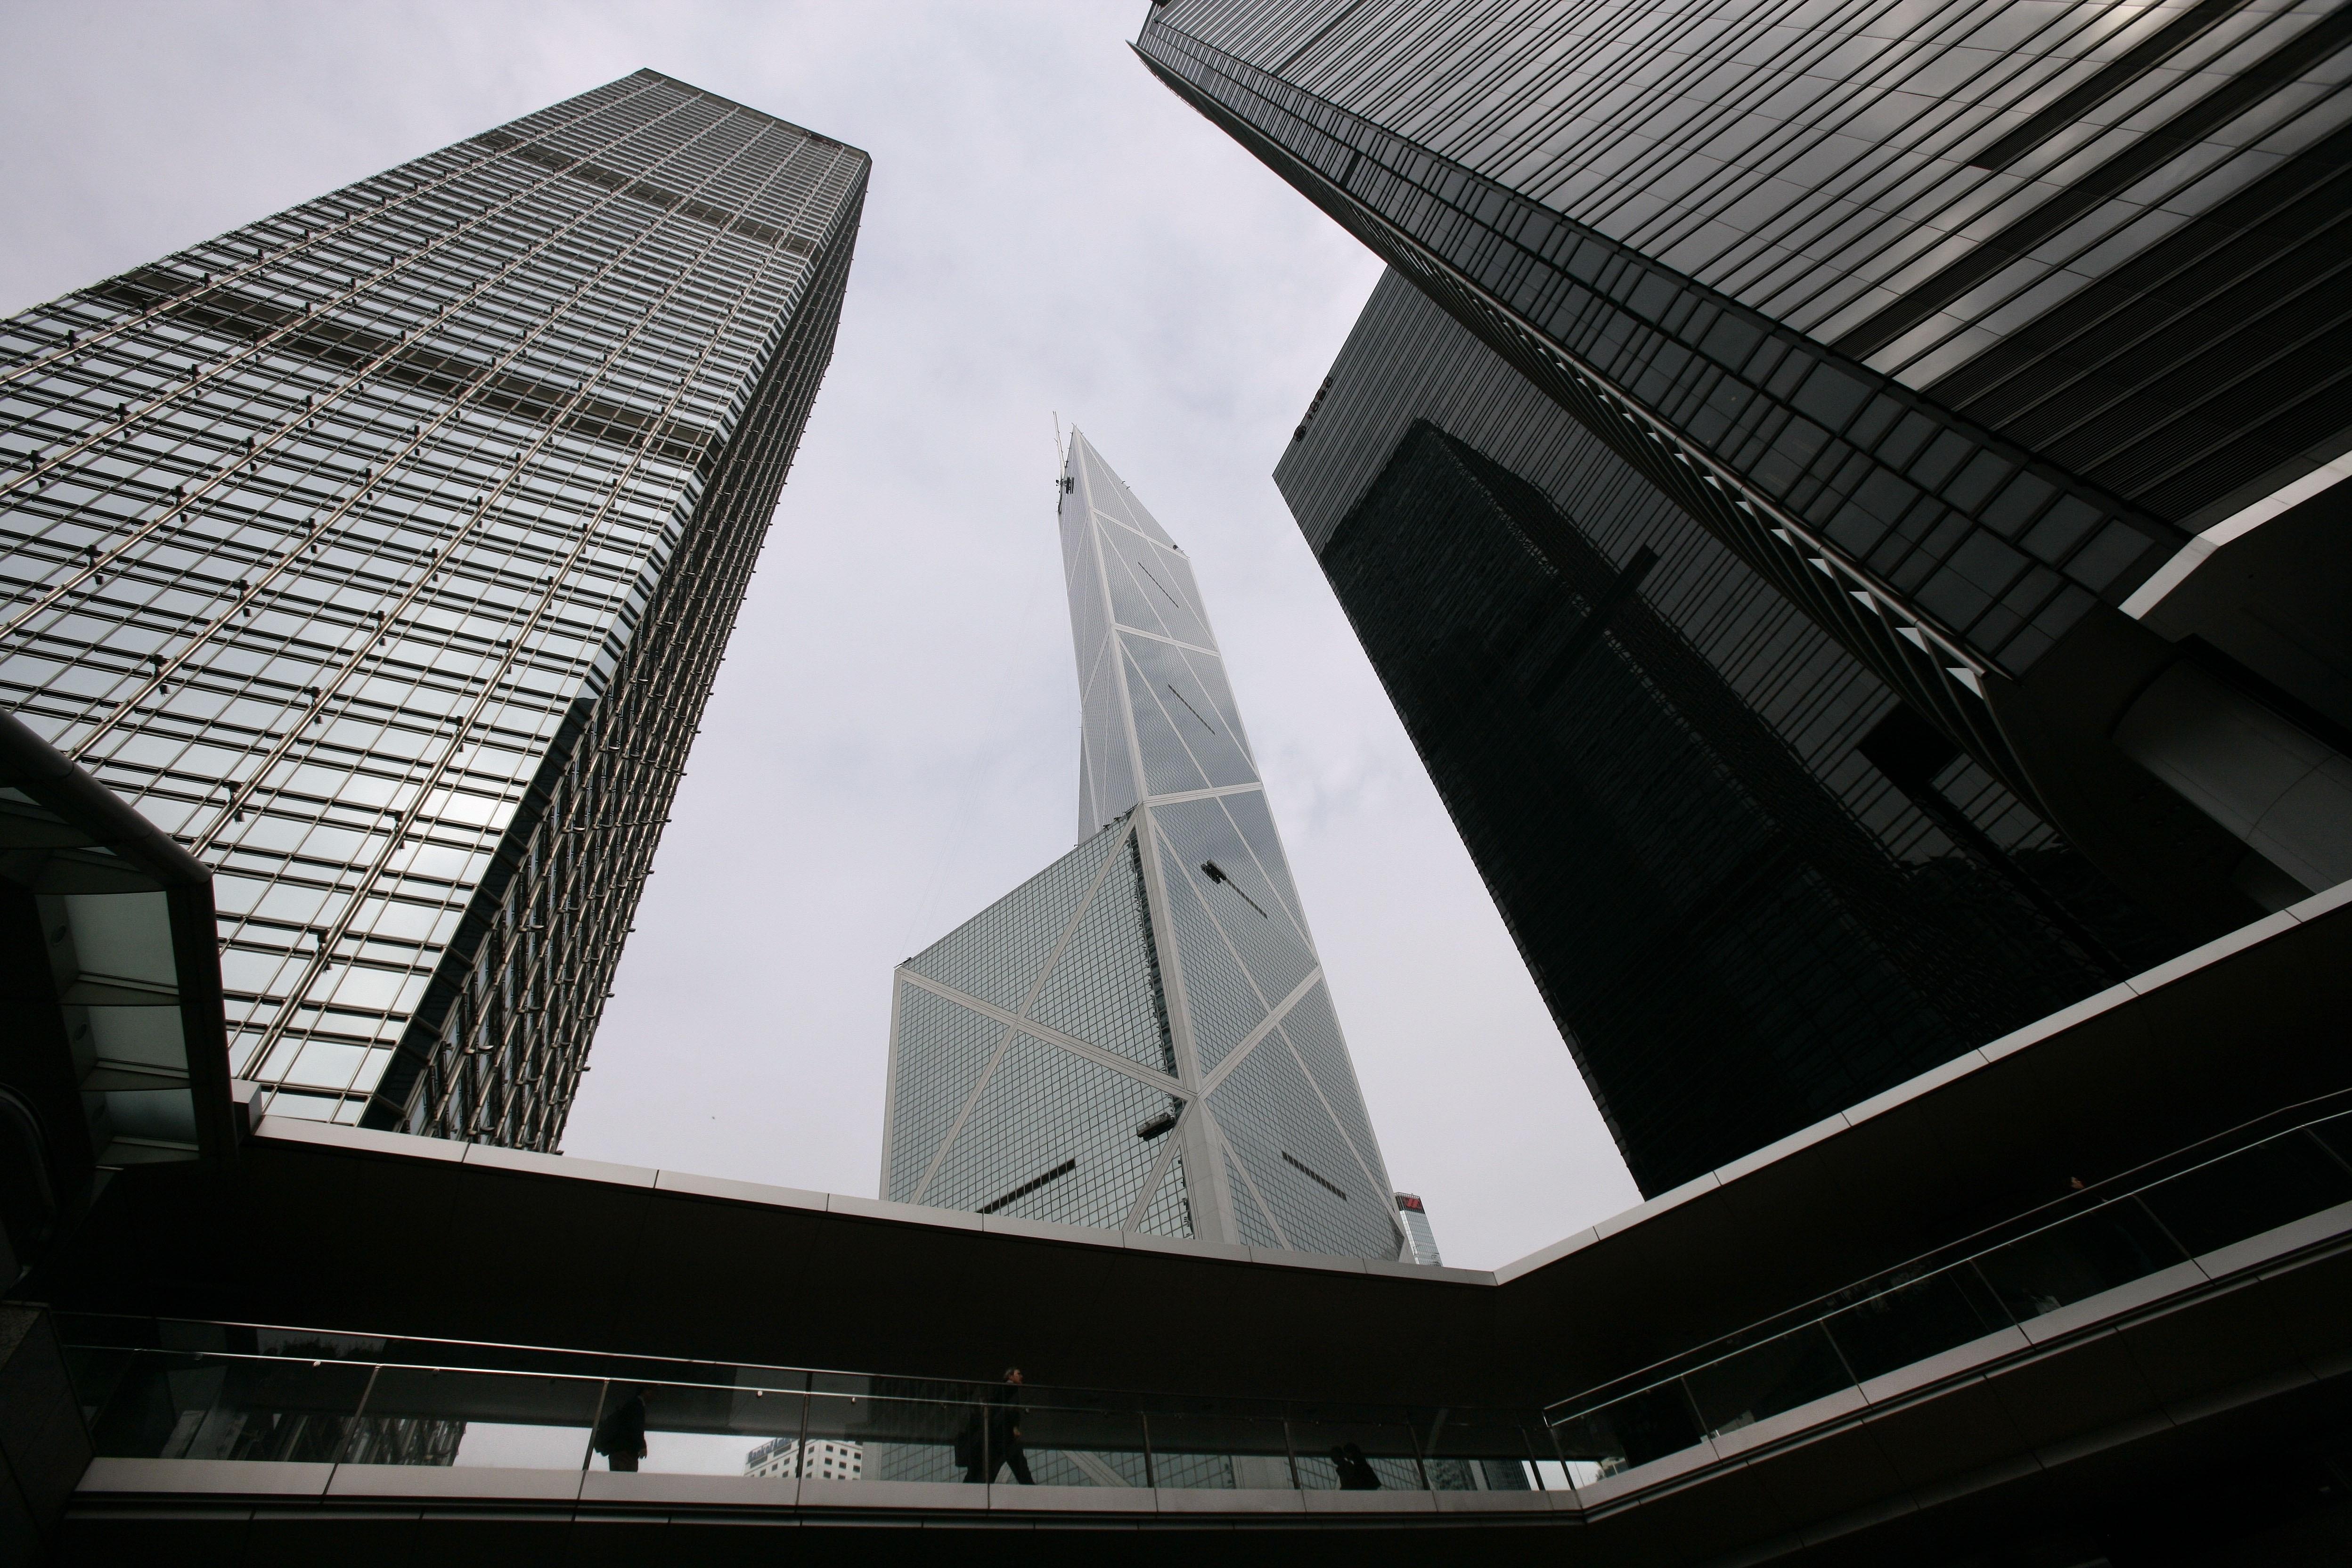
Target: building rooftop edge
x: 283, y: 1128
x: 752, y: 109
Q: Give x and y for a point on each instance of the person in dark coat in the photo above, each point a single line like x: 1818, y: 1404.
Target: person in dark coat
x: 1356, y: 1472
x: 1000, y: 1423
x: 620, y: 1437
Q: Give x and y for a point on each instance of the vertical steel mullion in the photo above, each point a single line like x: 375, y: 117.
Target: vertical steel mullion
x: 799, y: 1445
x: 350, y: 1433
x: 588, y: 1450
x: 1996, y: 1296
x: 2163, y: 1229
x: 1420, y: 1468
x: 1690, y: 1399
x: 1852, y: 1378
x: 1535, y: 1465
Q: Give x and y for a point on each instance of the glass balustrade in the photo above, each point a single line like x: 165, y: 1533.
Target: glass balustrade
x: 2095, y: 1242
x: 181, y: 1390
x: 187, y: 1390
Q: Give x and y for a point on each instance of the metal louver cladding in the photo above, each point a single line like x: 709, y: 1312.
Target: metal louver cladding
x: 1139, y: 1038
x: 383, y: 552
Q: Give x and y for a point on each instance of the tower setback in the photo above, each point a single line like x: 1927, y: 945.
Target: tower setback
x: 1140, y: 1037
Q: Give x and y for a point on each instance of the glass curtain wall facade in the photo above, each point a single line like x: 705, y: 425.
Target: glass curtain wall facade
x: 1973, y: 328
x: 1673, y: 782
x: 384, y: 553
x: 1140, y: 1037
x: 1416, y: 1226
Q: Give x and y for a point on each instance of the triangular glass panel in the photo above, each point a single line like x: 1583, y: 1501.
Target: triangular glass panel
x: 937, y: 1052
x: 1105, y: 989
x: 1218, y: 997
x: 1106, y: 743
x: 1150, y: 568
x: 1210, y: 671
x: 1105, y: 788
x: 1078, y: 531
x: 1130, y: 605
x: 1110, y: 495
x: 998, y: 953
x: 1083, y: 1163
x: 1170, y: 1213
x: 1203, y: 849
x: 1089, y: 625
x: 1211, y: 741
x: 1167, y: 764
x: 1177, y: 568
x: 1248, y: 1218
x: 1255, y: 822
x: 1313, y: 1029
x: 1280, y: 1132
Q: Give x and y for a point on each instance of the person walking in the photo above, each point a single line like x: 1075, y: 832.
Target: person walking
x: 991, y: 1439
x: 620, y: 1437
x: 1356, y: 1472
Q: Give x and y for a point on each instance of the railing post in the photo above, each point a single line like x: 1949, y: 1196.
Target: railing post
x: 1852, y: 1380
x: 1535, y: 1463
x: 588, y: 1450
x: 1991, y: 1294
x: 1148, y: 1480
x: 800, y: 1446
x: 2161, y: 1228
x: 1706, y: 1432
x: 359, y: 1413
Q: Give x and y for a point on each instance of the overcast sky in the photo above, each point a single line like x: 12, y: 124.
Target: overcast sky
x: 892, y: 744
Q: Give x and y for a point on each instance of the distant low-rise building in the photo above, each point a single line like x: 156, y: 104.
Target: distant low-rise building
x: 787, y: 1459
x: 1421, y: 1240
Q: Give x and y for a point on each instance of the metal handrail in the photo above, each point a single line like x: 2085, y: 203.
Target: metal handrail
x: 2087, y: 1199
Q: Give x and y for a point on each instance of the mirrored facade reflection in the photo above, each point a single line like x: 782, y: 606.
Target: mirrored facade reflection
x: 1676, y: 785
x: 383, y: 552
x: 2003, y: 342
x: 1140, y: 1037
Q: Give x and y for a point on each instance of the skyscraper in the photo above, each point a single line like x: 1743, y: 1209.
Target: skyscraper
x: 1140, y: 1037
x: 1837, y: 486
x: 2005, y: 343
x: 1671, y: 781
x: 1424, y: 1240
x: 384, y: 553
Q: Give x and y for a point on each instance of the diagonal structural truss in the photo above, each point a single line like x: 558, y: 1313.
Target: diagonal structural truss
x: 1140, y: 1037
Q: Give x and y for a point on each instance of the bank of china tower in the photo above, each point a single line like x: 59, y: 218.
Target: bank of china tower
x: 1139, y: 1038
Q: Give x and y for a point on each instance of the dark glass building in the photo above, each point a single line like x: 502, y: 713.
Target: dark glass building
x: 2006, y: 343
x: 1825, y: 689
x: 1693, y: 806
x: 382, y: 552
